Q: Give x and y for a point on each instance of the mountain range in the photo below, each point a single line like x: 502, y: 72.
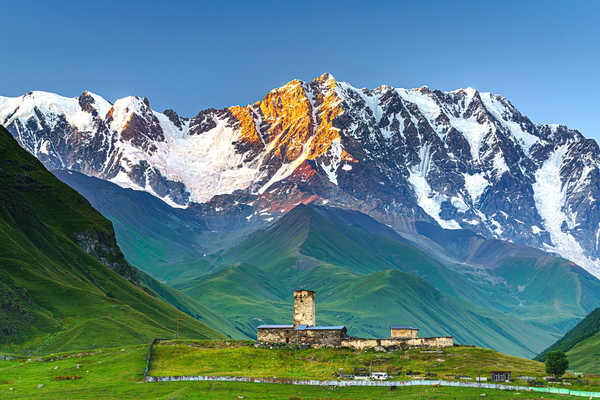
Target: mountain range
x: 462, y: 159
x: 438, y: 209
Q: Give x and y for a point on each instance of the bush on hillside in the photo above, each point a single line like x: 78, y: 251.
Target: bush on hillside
x: 556, y: 363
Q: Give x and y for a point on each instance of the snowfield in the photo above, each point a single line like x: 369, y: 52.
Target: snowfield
x: 464, y: 158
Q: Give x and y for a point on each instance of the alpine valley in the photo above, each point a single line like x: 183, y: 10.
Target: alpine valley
x: 448, y: 210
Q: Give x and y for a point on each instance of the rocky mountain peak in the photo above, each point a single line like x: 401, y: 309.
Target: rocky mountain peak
x: 173, y: 117
x: 460, y: 159
x: 86, y: 102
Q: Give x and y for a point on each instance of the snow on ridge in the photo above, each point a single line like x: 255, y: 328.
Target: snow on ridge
x: 122, y: 180
x: 208, y: 164
x: 288, y: 169
x: 428, y: 200
x: 334, y: 154
x: 122, y: 110
x: 473, y: 131
x: 426, y: 104
x: 550, y: 197
x: 475, y: 185
x: 51, y: 104
x: 499, y: 110
x: 553, y: 127
x: 102, y: 105
x: 8, y: 105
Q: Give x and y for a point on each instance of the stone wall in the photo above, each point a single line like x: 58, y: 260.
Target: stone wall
x: 321, y: 337
x: 364, y: 344
x: 442, y: 341
x: 317, y: 338
x: 274, y: 335
x: 360, y: 344
x: 304, y: 308
x: 404, y: 333
x: 308, y: 337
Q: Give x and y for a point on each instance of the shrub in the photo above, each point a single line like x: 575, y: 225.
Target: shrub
x: 556, y: 363
x: 67, y: 378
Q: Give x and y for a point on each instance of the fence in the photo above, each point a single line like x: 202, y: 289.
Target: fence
x: 342, y: 383
x: 149, y: 358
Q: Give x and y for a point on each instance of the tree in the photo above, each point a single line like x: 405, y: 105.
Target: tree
x: 556, y: 363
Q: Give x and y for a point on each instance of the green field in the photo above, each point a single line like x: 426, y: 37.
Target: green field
x: 116, y: 373
x: 243, y: 359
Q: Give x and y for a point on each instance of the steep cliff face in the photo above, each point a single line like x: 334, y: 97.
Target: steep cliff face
x: 461, y: 159
x: 103, y: 246
x: 31, y: 197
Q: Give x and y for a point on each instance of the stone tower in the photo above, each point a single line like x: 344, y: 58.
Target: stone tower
x: 304, y: 308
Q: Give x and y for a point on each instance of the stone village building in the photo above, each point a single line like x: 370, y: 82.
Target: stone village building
x: 305, y: 332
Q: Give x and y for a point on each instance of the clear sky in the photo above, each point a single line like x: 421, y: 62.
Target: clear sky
x: 189, y: 55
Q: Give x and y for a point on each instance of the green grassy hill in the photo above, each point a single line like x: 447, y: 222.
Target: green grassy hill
x: 514, y: 287
x: 167, y: 243
x: 162, y: 239
x: 537, y: 286
x: 191, y: 307
x: 582, y: 345
x: 584, y: 356
x: 393, y: 296
x: 242, y: 293
x: 64, y: 283
x: 366, y: 277
x: 243, y: 359
x: 510, y: 279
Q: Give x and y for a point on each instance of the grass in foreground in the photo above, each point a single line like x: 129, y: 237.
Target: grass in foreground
x: 241, y: 358
x: 117, y: 374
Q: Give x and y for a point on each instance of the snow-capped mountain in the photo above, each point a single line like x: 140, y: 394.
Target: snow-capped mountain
x: 463, y: 159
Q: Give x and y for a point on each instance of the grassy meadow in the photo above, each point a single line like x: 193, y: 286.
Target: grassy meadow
x: 241, y: 358
x: 117, y: 373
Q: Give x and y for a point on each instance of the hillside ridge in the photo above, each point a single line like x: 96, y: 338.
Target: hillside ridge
x: 64, y: 282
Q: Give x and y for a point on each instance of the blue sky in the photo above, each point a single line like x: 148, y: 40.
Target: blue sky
x: 189, y: 55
